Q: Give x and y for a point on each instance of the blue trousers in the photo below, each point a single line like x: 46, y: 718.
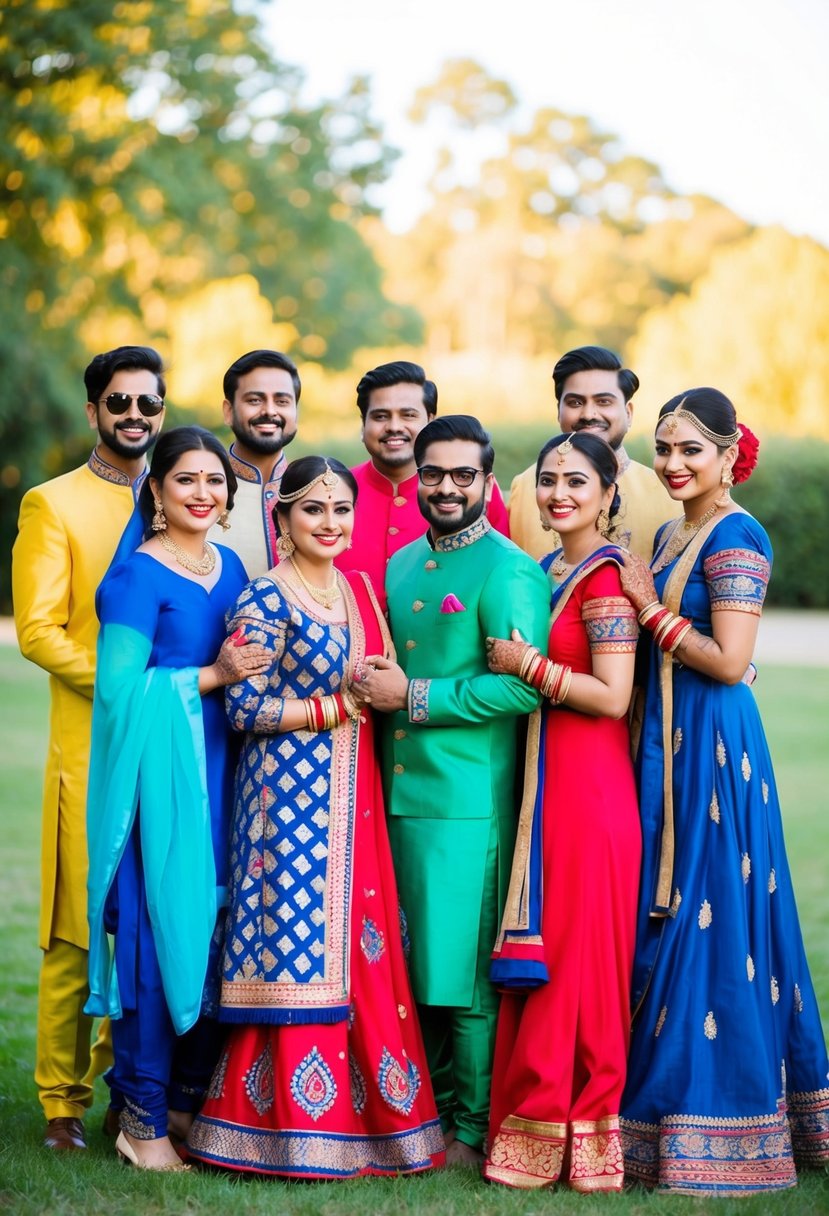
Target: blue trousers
x: 154, y: 1070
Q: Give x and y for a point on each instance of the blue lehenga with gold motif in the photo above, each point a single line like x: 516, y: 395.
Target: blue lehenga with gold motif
x: 323, y: 1074
x: 727, y: 1079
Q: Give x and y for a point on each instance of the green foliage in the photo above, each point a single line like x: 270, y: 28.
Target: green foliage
x: 149, y: 148
x: 789, y: 493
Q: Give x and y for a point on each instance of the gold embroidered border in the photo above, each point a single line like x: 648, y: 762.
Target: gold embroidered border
x: 310, y: 1153
x: 702, y: 1155
x: 526, y: 1154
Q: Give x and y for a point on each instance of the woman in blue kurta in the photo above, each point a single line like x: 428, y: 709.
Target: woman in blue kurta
x: 727, y: 1077
x: 160, y: 791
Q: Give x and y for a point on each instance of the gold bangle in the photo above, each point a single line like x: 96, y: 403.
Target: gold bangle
x: 648, y: 612
x: 568, y: 679
x: 530, y: 653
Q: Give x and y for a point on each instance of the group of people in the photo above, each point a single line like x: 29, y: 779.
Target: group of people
x: 387, y: 864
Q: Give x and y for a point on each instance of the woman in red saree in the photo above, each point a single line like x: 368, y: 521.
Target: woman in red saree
x: 565, y: 951
x: 323, y: 1074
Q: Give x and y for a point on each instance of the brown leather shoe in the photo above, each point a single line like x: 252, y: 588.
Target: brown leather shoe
x: 63, y: 1133
x: 112, y: 1123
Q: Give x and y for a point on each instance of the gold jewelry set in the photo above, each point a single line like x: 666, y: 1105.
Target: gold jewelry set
x: 326, y: 596
x: 683, y: 533
x: 203, y: 565
x: 672, y: 421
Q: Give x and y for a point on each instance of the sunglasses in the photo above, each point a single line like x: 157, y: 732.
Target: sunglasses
x: 431, y: 475
x: 148, y: 403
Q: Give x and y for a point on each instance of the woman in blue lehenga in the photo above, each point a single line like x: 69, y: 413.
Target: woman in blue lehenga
x: 160, y: 791
x: 727, y: 1078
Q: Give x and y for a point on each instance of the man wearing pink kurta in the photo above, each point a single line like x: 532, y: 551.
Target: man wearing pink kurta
x: 395, y: 401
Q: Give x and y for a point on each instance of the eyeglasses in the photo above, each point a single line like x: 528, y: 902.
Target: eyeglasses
x: 431, y: 475
x: 148, y: 403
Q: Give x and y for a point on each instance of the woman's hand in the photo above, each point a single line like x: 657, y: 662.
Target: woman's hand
x: 237, y: 660
x: 505, y: 657
x: 637, y: 582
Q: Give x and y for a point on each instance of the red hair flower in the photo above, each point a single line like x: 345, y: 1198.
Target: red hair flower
x: 748, y: 446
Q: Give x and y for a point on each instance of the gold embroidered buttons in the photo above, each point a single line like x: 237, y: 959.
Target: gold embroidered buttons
x: 398, y: 768
x: 410, y: 645
x: 399, y: 500
x: 400, y: 734
x: 417, y: 606
x: 431, y: 565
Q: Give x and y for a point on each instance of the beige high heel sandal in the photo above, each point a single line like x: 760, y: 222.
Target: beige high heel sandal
x: 129, y: 1156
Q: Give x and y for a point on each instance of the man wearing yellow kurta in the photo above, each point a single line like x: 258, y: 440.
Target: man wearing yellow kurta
x: 261, y: 391
x: 68, y: 531
x: 594, y: 392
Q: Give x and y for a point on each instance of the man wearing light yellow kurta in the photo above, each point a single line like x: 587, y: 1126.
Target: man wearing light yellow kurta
x: 594, y: 392
x: 68, y: 532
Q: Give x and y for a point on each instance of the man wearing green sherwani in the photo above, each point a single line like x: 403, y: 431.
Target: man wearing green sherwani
x: 450, y: 757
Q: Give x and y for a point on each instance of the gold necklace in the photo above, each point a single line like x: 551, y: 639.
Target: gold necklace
x: 680, y: 538
x: 327, y: 596
x: 203, y: 565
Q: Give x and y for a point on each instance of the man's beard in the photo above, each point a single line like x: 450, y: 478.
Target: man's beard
x: 130, y: 451
x: 263, y: 445
x: 441, y: 526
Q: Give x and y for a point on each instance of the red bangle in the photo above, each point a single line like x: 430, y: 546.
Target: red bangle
x: 319, y: 713
x: 342, y: 712
x: 538, y: 672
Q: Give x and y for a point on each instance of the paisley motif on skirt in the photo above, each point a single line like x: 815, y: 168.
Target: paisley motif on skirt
x: 216, y: 1088
x: 313, y: 1086
x: 398, y: 1086
x: 371, y: 941
x: 258, y: 1082
x: 359, y: 1091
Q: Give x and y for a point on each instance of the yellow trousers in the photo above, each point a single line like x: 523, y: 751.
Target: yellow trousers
x: 65, y: 1066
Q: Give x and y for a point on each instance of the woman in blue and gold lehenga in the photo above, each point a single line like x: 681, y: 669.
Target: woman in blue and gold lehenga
x: 727, y: 1077
x: 160, y: 784
x: 323, y: 1074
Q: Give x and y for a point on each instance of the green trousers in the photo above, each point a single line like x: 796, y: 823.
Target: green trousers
x: 460, y: 1042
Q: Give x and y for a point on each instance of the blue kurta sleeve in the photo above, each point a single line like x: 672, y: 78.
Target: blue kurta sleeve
x: 148, y: 759
x: 265, y: 616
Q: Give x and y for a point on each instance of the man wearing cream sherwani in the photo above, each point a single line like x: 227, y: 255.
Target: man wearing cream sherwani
x: 68, y: 531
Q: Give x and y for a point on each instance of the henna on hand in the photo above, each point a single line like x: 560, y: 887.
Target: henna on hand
x: 505, y: 657
x: 238, y: 660
x: 637, y: 582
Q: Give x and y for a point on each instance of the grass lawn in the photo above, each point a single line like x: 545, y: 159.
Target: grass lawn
x: 794, y: 703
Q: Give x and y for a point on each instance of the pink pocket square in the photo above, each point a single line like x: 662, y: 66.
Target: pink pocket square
x: 451, y: 603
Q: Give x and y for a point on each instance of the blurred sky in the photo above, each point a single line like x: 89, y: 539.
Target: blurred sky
x: 729, y: 97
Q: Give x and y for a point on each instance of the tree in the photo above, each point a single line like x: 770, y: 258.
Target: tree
x: 150, y: 148
x: 554, y: 237
x: 755, y: 325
